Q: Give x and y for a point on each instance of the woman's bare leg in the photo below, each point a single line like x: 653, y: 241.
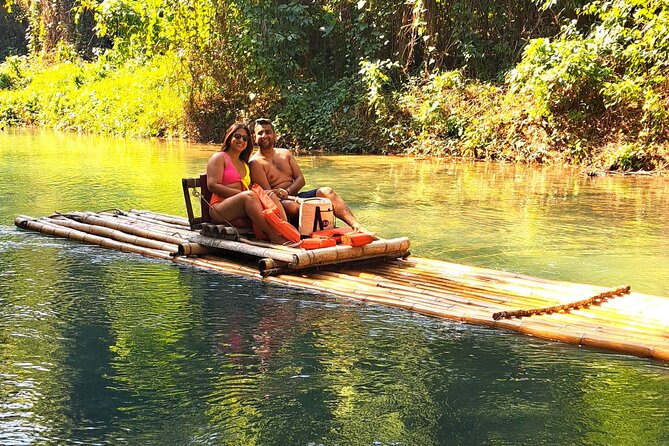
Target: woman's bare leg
x: 244, y: 204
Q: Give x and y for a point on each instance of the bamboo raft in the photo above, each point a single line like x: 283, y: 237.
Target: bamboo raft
x: 616, y: 320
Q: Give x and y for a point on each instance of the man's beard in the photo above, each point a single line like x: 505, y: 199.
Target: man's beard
x: 265, y: 144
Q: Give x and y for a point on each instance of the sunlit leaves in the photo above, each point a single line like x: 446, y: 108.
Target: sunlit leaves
x: 620, y: 61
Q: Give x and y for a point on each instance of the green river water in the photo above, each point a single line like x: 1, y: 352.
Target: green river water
x: 106, y: 348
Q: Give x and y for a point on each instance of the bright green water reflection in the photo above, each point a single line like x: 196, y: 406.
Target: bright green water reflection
x: 100, y: 347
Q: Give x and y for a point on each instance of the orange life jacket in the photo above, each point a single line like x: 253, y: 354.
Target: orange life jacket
x: 272, y: 217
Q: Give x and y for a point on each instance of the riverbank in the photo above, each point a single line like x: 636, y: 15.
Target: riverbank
x: 582, y: 84
x: 442, y: 115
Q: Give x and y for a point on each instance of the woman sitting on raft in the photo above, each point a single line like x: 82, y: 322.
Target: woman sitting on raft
x: 229, y: 180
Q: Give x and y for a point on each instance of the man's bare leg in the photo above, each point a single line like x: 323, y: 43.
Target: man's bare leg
x: 292, y: 209
x: 341, y: 210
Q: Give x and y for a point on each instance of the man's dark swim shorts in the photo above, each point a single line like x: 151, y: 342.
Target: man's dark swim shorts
x: 308, y: 194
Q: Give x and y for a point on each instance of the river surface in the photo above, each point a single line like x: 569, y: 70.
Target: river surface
x: 106, y: 348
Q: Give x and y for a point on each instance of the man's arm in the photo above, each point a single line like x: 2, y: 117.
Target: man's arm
x: 258, y: 175
x: 296, y: 173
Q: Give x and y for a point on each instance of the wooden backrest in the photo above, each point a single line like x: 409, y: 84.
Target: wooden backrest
x: 205, y: 197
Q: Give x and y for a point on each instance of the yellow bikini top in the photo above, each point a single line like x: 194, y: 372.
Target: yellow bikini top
x: 246, y: 179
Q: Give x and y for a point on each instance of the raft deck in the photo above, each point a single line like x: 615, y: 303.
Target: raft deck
x: 611, y: 319
x: 277, y: 259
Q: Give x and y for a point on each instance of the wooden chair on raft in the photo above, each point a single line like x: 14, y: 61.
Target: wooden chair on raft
x: 198, y: 188
x: 204, y: 197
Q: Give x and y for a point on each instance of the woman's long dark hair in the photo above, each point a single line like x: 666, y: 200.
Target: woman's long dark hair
x: 246, y: 153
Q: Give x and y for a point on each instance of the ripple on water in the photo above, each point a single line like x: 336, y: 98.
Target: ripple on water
x: 101, y: 347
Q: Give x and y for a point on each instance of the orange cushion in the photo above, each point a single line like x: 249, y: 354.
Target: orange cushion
x: 265, y: 200
x: 271, y: 213
x: 356, y: 239
x: 334, y: 233
x: 317, y: 242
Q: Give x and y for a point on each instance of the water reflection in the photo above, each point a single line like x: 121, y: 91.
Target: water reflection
x: 102, y: 347
x: 548, y: 222
x: 152, y: 353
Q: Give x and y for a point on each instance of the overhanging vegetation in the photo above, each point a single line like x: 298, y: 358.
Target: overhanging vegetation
x: 580, y: 82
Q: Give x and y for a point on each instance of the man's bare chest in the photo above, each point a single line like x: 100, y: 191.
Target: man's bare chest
x: 278, y: 168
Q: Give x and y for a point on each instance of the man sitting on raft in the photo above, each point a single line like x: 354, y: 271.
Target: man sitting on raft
x: 228, y: 179
x: 277, y: 169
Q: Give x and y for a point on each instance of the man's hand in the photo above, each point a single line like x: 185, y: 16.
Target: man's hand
x: 280, y: 192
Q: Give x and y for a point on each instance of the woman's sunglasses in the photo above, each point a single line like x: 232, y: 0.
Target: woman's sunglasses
x: 240, y: 136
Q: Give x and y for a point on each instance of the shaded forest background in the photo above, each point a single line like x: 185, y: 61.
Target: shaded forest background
x: 574, y: 81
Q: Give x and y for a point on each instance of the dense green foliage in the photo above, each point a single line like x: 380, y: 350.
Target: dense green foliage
x: 137, y: 100
x: 607, y: 80
x: 577, y: 81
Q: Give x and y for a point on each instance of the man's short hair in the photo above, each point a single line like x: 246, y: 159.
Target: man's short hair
x: 261, y: 122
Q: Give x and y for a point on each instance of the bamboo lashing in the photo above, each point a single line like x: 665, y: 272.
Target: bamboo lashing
x: 637, y: 325
x: 621, y: 290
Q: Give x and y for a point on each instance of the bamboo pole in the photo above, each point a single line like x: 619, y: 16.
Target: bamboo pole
x: 661, y: 353
x: 442, y: 279
x: 266, y: 244
x: 399, y: 289
x: 177, y: 222
x: 479, y: 293
x: 115, y: 235
x: 172, y: 219
x: 516, y: 285
x: 438, y: 268
x: 60, y: 231
x: 152, y: 226
x: 184, y: 247
x: 398, y: 295
x: 551, y: 329
x: 498, y: 300
x: 603, y: 324
x: 299, y: 258
x: 153, y: 221
x: 245, y: 248
x: 550, y: 297
x: 94, y: 219
x: 340, y: 253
